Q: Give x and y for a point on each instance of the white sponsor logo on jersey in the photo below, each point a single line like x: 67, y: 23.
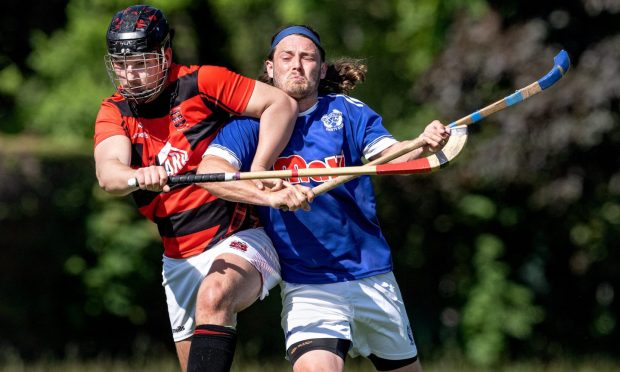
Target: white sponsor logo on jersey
x: 140, y: 135
x: 172, y: 159
x: 332, y: 121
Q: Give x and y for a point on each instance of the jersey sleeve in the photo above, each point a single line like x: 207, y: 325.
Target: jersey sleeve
x: 108, y: 123
x: 236, y: 142
x: 371, y: 135
x: 225, y: 88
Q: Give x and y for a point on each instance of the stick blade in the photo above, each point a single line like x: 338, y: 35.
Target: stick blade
x: 560, y: 68
x: 441, y: 159
x: 562, y: 60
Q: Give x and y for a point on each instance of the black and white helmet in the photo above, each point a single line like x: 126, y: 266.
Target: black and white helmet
x: 137, y: 39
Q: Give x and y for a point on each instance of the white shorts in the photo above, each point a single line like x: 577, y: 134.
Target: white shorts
x: 182, y: 277
x: 369, y: 312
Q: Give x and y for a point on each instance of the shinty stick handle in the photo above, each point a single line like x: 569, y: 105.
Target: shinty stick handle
x: 560, y: 68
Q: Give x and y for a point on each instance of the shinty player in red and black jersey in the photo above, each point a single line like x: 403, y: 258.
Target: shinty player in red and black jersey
x: 160, y: 121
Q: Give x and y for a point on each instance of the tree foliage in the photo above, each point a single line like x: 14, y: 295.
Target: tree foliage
x: 511, y: 251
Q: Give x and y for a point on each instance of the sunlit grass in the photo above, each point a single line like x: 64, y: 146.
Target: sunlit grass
x: 165, y: 364
x: 165, y: 361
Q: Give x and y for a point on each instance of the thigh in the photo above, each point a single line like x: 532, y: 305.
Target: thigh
x: 245, y: 267
x: 231, y: 285
x: 182, y: 278
x: 319, y: 360
x: 255, y: 247
x: 319, y: 354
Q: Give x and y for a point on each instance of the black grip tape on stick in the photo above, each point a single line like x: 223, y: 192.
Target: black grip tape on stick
x: 196, y: 178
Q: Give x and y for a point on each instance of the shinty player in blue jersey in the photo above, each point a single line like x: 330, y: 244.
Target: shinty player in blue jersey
x: 338, y: 291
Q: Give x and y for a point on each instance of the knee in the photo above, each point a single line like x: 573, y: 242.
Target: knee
x: 213, y: 297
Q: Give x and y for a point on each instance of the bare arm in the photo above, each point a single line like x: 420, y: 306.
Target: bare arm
x: 291, y: 196
x: 435, y: 134
x: 112, y: 165
x: 277, y: 112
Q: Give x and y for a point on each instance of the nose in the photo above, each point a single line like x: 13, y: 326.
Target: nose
x: 129, y: 69
x: 132, y: 77
x: 297, y: 63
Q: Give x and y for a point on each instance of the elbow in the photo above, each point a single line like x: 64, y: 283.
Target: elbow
x: 292, y: 103
x: 110, y: 188
x: 286, y: 103
x: 105, y: 186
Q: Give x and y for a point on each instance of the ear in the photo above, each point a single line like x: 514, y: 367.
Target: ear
x: 323, y: 70
x: 168, y: 55
x: 269, y: 68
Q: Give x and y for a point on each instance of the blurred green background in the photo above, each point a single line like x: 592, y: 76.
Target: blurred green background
x: 510, y: 254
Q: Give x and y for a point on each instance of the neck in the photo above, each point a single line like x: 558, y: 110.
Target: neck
x: 307, y: 102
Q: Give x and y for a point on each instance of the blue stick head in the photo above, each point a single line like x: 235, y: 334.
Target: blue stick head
x: 561, y: 66
x: 562, y: 60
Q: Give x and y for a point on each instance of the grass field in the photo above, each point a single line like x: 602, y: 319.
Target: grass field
x: 353, y: 365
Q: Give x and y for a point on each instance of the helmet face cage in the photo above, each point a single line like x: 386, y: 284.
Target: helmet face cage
x: 139, y: 77
x: 137, y: 40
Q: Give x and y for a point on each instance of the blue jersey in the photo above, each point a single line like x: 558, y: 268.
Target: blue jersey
x: 340, y: 238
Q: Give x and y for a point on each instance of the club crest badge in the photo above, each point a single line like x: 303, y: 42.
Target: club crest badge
x: 239, y: 245
x: 332, y: 121
x: 177, y: 119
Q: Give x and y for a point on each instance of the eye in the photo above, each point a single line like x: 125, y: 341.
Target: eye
x: 285, y: 56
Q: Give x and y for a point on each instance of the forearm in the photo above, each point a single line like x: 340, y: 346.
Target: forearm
x: 434, y: 137
x: 284, y: 196
x: 113, y: 176
x: 235, y: 191
x: 112, y: 164
x: 415, y: 154
x: 276, y: 125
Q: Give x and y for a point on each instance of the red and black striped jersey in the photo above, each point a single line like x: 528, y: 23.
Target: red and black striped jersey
x: 174, y: 131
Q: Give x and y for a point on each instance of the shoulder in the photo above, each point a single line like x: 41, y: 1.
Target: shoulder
x: 240, y: 127
x: 234, y: 85
x: 203, y: 71
x: 343, y: 100
x: 178, y: 71
x: 113, y: 99
x: 244, y: 121
x: 352, y: 108
x: 216, y: 71
x: 112, y: 105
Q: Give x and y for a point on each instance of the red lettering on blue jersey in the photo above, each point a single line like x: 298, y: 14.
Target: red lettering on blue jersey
x: 296, y: 162
x: 292, y: 162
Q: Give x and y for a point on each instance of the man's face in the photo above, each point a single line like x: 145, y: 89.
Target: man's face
x: 138, y: 73
x: 296, y: 67
x: 140, y: 77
